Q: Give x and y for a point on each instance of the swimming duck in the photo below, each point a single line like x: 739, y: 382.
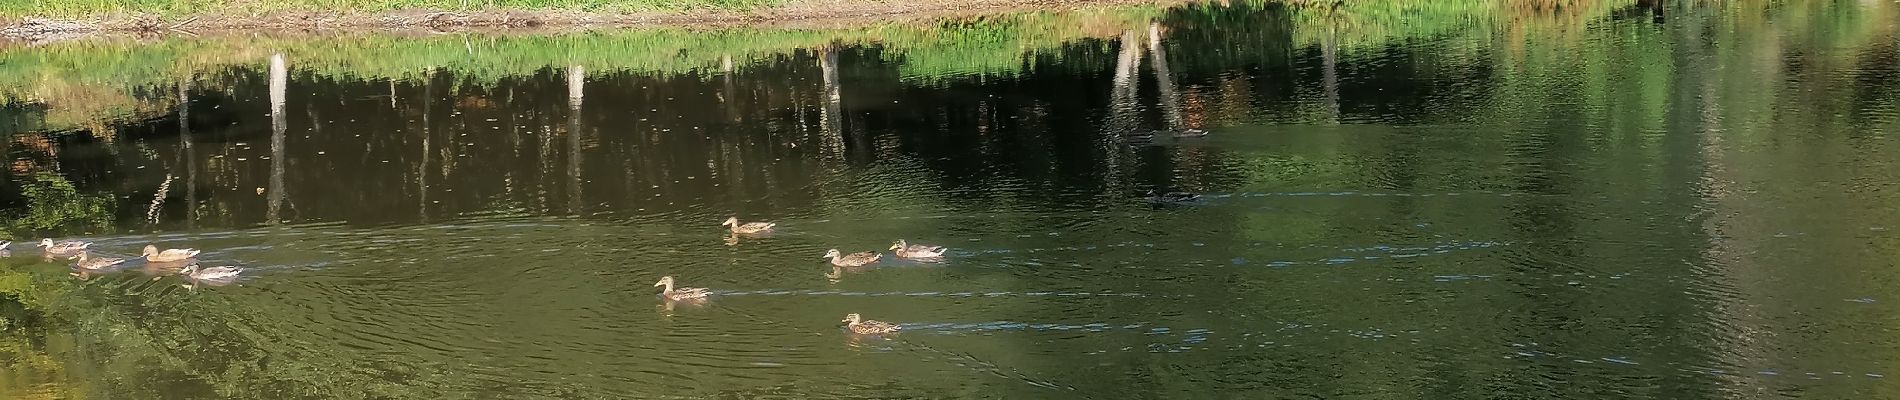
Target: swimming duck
x: 749, y: 227
x: 86, y: 262
x: 857, y: 324
x: 1149, y: 135
x: 858, y: 259
x: 1139, y: 136
x: 64, y: 247
x: 1188, y: 133
x: 1172, y: 197
x: 685, y: 293
x: 152, y: 254
x: 906, y: 250
x: 210, y: 274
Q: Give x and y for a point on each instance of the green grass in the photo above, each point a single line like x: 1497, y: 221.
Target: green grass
x: 93, y: 80
x: 174, y: 8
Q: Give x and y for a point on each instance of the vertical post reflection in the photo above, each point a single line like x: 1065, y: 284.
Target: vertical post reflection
x: 576, y: 81
x: 1329, y: 72
x: 1122, y: 110
x: 832, y: 116
x: 1170, y: 102
x: 188, y: 153
x: 279, y: 82
x: 729, y: 97
x: 428, y: 133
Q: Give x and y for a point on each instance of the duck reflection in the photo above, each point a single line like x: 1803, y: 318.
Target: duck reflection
x: 668, y: 305
x: 161, y: 269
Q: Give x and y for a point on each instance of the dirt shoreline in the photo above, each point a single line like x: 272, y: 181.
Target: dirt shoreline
x: 796, y: 13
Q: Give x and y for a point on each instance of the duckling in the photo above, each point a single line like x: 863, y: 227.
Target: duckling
x: 210, y: 274
x: 1172, y: 197
x: 906, y: 250
x: 152, y: 254
x: 685, y: 293
x: 87, y: 263
x: 749, y: 227
x: 70, y: 246
x: 858, y: 259
x: 857, y: 324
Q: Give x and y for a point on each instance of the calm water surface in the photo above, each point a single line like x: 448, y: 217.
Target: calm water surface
x: 1693, y: 204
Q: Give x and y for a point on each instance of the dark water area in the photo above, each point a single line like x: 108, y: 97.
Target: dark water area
x: 1680, y: 202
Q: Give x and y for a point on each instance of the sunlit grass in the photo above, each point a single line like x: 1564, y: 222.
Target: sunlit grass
x: 114, y: 71
x: 85, y: 8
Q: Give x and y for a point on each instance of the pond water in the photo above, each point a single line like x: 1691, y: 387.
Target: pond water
x: 1603, y: 201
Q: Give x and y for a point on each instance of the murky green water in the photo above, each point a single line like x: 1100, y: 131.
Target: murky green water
x: 1600, y: 201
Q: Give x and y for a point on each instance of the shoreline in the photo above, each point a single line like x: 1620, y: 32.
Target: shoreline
x: 794, y: 14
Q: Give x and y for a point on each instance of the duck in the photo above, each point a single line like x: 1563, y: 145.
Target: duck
x: 152, y: 254
x: 749, y: 227
x: 858, y: 259
x: 857, y: 324
x: 88, y: 263
x: 210, y: 274
x: 64, y: 247
x: 685, y: 293
x: 1172, y: 197
x: 1188, y: 133
x: 1139, y: 136
x: 1147, y: 135
x: 906, y: 250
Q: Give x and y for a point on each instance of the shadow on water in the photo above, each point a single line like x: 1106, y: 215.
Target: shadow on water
x: 1603, y: 199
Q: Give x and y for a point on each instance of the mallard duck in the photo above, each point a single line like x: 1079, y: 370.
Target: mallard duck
x: 64, y: 247
x: 87, y: 262
x: 210, y: 274
x: 1139, y: 135
x: 906, y: 250
x: 169, y: 255
x: 857, y: 324
x: 749, y: 227
x: 858, y: 259
x: 685, y: 293
x: 1188, y: 133
x: 1172, y: 197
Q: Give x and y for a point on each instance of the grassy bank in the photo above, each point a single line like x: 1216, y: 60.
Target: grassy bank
x: 85, y: 80
x: 36, y: 20
x: 174, y: 8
